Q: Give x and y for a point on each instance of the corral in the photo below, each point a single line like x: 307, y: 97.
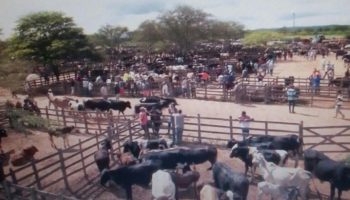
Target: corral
x: 72, y: 171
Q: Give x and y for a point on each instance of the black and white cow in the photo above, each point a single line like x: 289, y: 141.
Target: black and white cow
x: 138, y: 147
x: 101, y: 105
x: 326, y: 169
x: 235, y: 184
x: 126, y: 176
x: 245, y: 153
x: 154, y: 102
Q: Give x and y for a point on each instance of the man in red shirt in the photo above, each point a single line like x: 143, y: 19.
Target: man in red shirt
x: 144, y: 121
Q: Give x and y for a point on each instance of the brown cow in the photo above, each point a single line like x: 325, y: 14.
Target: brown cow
x: 24, y: 157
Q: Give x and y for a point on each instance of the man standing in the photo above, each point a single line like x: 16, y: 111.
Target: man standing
x: 72, y: 86
x: 144, y: 121
x: 291, y: 97
x: 179, y: 127
x: 338, y: 104
x: 156, y: 120
x: 104, y: 91
x: 244, y: 121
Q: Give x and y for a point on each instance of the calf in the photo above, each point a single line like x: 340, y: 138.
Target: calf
x: 163, y: 187
x: 326, y: 169
x: 102, y: 155
x: 276, y: 192
x: 126, y: 159
x: 233, y: 183
x: 24, y: 157
x: 283, y: 176
x: 126, y: 176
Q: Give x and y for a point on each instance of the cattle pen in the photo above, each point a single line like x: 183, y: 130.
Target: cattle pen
x: 72, y: 172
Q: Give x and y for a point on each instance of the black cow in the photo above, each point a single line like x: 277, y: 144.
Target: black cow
x: 172, y: 157
x: 120, y: 106
x: 326, y: 169
x: 341, y: 82
x: 102, y: 155
x: 101, y: 105
x: 126, y: 176
x: 154, y: 102
x: 244, y: 153
x: 228, y: 180
x: 135, y: 147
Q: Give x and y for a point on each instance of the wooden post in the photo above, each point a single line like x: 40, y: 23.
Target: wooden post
x: 96, y: 137
x: 312, y: 97
x: 63, y: 168
x: 47, y: 113
x: 64, y: 117
x: 57, y: 115
x: 13, y: 176
x: 86, y: 123
x: 130, y: 132
x: 109, y: 133
x: 231, y: 131
x: 33, y: 193
x: 199, y: 128
x: 266, y: 127
x: 36, y: 175
x: 82, y: 158
x: 205, y: 90
x: 301, y: 134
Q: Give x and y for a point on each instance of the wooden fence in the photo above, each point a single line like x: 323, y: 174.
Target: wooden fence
x: 73, y: 169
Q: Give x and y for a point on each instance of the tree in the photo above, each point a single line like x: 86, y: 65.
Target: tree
x: 148, y: 33
x: 112, y: 37
x: 183, y: 26
x: 48, y: 37
x: 225, y: 30
x: 261, y: 37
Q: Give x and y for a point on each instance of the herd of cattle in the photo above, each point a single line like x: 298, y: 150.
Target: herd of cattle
x: 158, y: 162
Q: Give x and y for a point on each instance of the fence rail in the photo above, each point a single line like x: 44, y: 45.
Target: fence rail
x: 75, y: 166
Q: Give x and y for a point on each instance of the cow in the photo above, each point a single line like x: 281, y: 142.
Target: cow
x: 120, y: 106
x: 185, y: 180
x: 290, y: 143
x: 24, y: 157
x: 171, y: 158
x: 126, y: 159
x: 283, y: 176
x: 126, y: 176
x: 154, y: 102
x: 276, y: 192
x: 140, y: 146
x: 326, y: 169
x: 163, y: 186
x: 60, y: 132
x: 209, y: 192
x: 3, y: 133
x: 234, y: 183
x: 245, y: 153
x: 101, y: 105
x: 102, y: 155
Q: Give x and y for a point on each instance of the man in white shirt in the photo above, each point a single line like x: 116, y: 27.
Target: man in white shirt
x: 244, y: 121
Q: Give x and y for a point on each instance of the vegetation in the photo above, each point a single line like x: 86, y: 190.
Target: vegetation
x: 22, y: 120
x: 48, y: 38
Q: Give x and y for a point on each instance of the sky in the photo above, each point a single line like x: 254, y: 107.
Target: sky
x: 253, y: 14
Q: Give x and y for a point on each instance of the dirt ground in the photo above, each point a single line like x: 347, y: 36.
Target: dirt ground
x: 299, y: 67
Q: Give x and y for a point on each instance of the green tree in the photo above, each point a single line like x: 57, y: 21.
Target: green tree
x: 225, y: 30
x: 148, y: 33
x: 112, y: 36
x: 261, y: 37
x: 48, y: 37
x: 183, y: 26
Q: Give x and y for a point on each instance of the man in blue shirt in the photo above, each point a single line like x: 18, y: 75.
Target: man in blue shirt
x: 291, y: 97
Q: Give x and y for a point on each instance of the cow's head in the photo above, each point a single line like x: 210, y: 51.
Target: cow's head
x: 30, y: 151
x: 128, y: 104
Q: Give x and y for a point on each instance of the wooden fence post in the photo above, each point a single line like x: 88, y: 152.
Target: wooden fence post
x: 199, y: 128
x: 13, y: 176
x: 266, y: 127
x: 63, y: 168
x: 33, y: 194
x: 36, y: 175
x: 82, y: 158
x: 301, y: 134
x: 130, y: 132
x: 64, y: 117
x: 57, y: 115
x: 96, y: 137
x: 312, y: 97
x: 86, y: 123
x: 205, y: 90
x: 110, y: 134
x: 47, y: 114
x: 231, y: 132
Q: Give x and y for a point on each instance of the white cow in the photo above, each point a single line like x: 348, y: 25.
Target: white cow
x: 163, y: 188
x: 283, y: 176
x: 277, y: 192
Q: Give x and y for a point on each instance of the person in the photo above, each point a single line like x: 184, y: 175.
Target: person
x: 104, y: 92
x: 338, y: 104
x: 72, y: 86
x: 117, y: 91
x: 291, y: 97
x: 184, y: 87
x: 85, y: 87
x: 178, y: 127
x: 156, y: 120
x: 244, y: 121
x: 171, y: 110
x: 90, y: 87
x: 144, y: 121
